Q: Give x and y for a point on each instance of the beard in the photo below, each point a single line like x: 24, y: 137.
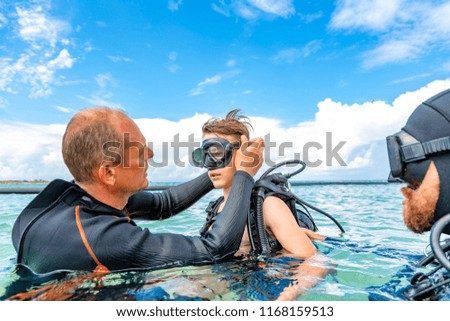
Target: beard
x: 420, y: 204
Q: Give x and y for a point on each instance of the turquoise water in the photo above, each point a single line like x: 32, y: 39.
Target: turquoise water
x: 373, y: 259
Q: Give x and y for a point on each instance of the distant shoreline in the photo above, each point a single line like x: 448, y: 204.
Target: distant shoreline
x: 17, y: 181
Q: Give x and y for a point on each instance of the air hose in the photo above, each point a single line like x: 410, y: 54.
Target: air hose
x: 277, y: 184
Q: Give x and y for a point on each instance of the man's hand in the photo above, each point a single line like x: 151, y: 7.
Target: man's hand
x: 249, y: 157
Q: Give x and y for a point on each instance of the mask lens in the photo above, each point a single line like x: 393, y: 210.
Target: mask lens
x: 197, y: 157
x: 395, y: 159
x: 217, y: 152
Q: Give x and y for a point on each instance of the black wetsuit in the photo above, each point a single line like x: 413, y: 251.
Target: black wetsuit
x: 48, y: 234
x: 212, y: 214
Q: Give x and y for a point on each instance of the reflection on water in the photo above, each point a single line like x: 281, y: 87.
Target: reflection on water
x: 373, y: 260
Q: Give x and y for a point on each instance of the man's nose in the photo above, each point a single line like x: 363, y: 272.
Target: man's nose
x: 150, y: 153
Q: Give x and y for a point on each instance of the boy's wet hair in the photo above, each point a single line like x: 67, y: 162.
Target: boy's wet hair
x: 234, y: 123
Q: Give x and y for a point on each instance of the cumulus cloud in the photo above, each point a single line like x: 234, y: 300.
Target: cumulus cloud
x: 407, y: 29
x: 39, y: 74
x: 33, y: 151
x: 44, y: 55
x: 254, y: 9
x: 35, y: 26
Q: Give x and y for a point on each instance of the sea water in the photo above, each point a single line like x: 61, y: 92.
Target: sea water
x: 373, y: 260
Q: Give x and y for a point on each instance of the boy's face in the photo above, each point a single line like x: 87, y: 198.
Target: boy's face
x: 223, y: 177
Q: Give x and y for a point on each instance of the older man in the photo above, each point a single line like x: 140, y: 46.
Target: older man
x: 89, y: 224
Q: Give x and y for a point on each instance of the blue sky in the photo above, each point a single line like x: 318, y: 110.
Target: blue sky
x: 276, y: 60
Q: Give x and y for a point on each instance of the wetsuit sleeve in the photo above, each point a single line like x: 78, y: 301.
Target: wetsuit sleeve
x: 139, y: 248
x: 156, y: 206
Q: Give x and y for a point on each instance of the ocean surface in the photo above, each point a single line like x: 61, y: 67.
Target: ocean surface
x: 373, y: 260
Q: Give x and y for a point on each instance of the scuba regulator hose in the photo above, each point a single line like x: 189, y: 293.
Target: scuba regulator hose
x: 424, y: 286
x: 435, y: 237
x: 277, y: 184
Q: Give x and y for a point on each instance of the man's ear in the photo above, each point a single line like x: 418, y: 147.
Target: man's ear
x: 107, y: 173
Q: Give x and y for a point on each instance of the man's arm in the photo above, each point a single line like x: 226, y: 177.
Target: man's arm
x: 139, y: 248
x: 156, y: 206
x: 126, y: 246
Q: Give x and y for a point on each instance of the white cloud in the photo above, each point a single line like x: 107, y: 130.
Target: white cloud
x: 105, y: 80
x: 101, y: 100
x: 411, y: 78
x: 210, y: 81
x: 364, y: 127
x: 290, y: 55
x: 173, y: 55
x: 407, y: 30
x: 3, y: 102
x: 287, y: 56
x: 172, y: 66
x: 231, y: 63
x: 3, y: 20
x: 36, y: 26
x: 174, y: 5
x: 101, y: 24
x: 200, y: 89
x: 31, y: 151
x: 447, y: 66
x: 308, y: 18
x: 214, y: 80
x: 367, y: 15
x: 118, y: 58
x: 38, y: 64
x: 282, y: 8
x: 40, y: 75
x: 254, y: 9
x: 64, y: 109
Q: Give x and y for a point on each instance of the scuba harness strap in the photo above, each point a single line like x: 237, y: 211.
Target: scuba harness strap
x: 212, y: 211
x: 270, y: 185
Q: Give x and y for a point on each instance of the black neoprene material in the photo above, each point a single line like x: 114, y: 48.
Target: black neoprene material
x: 431, y: 120
x: 163, y: 205
x: 46, y: 237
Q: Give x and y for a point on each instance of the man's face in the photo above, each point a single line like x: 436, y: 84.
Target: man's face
x: 131, y: 174
x: 420, y: 201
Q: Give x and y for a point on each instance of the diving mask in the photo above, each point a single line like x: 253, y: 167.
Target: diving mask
x: 409, y: 158
x: 214, y: 153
